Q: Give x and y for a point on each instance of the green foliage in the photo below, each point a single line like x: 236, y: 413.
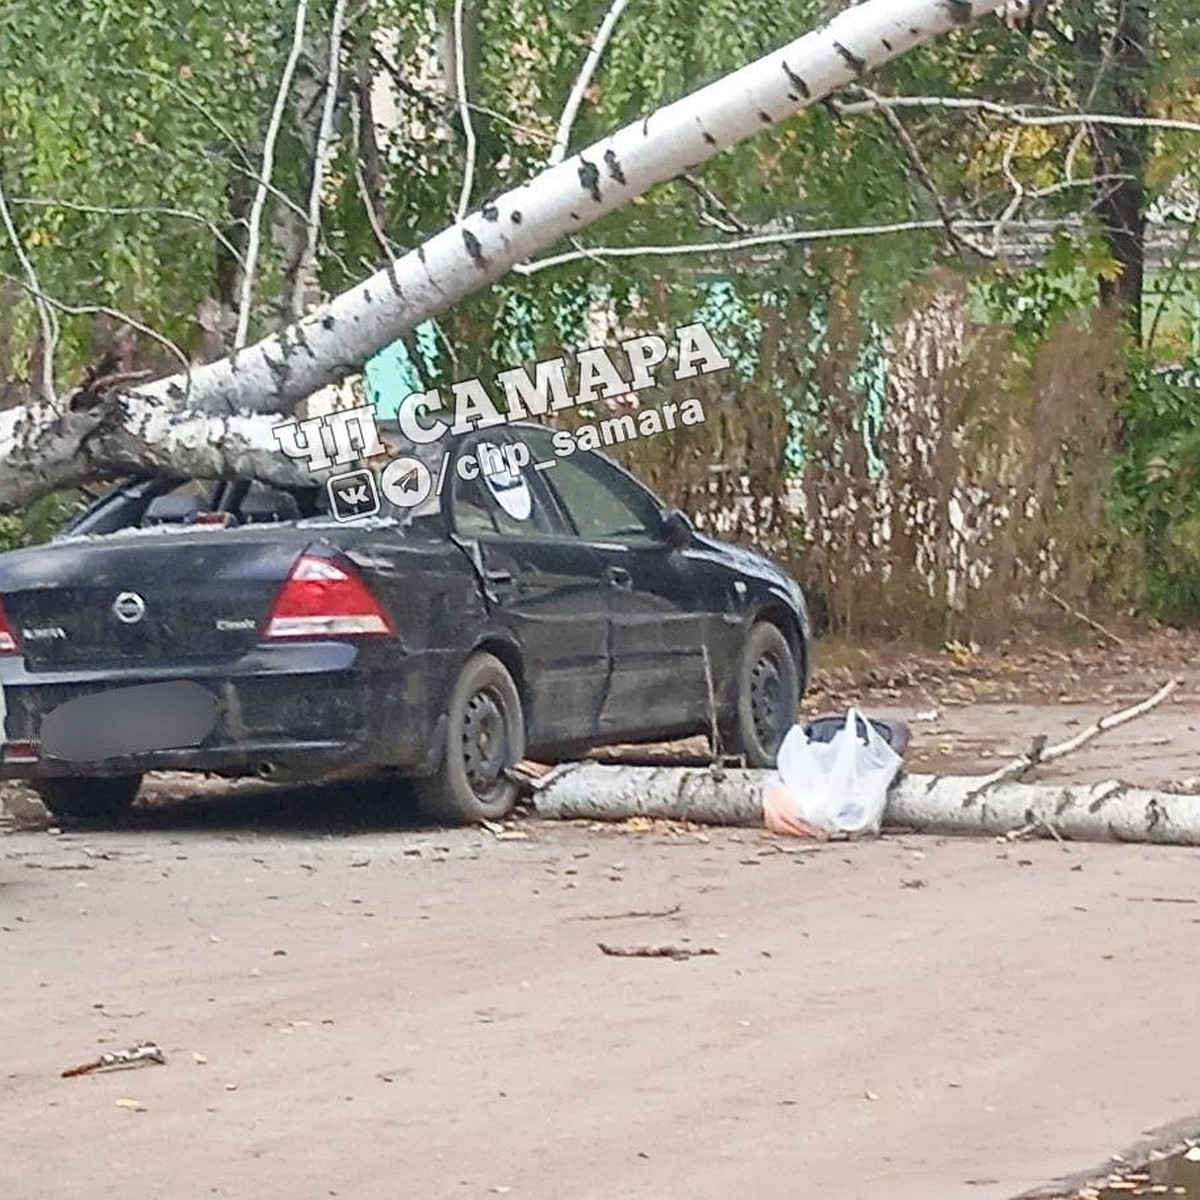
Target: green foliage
x: 1031, y: 303
x: 10, y: 532
x: 1158, y: 484
x: 40, y: 521
x: 132, y: 138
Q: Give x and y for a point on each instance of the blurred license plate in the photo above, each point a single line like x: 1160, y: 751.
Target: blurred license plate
x: 132, y: 720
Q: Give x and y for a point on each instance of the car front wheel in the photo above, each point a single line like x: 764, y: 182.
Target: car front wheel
x: 89, y: 799
x: 485, y: 735
x: 766, y: 697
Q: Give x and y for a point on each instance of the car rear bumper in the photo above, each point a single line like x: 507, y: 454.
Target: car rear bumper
x: 305, y: 710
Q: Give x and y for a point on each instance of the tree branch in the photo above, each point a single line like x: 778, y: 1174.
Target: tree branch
x: 566, y: 122
x: 782, y: 238
x: 908, y: 144
x: 141, y: 210
x: 1168, y: 286
x: 364, y: 190
x: 439, y: 103
x: 102, y: 310
x: 254, y: 238
x: 321, y: 154
x: 715, y: 212
x: 46, y: 317
x: 464, y: 113
x: 1017, y: 114
x: 1019, y: 767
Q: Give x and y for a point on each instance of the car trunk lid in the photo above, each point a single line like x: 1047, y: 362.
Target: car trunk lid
x: 138, y: 597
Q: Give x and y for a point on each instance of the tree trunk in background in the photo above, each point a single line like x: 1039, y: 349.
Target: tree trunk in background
x: 1114, y: 76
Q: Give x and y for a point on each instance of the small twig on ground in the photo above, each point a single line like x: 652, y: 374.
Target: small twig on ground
x: 1016, y: 835
x: 632, y: 914
x: 674, y: 952
x: 147, y: 1052
x: 1049, y: 826
x: 1040, y: 753
x: 536, y: 777
x: 1081, y: 616
x: 716, y: 212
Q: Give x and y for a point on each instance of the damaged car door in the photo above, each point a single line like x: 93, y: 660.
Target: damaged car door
x: 543, y: 586
x: 659, y: 620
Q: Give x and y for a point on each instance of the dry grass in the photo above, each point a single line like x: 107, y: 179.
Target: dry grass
x: 993, y: 493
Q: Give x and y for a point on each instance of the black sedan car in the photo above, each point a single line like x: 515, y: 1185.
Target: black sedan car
x: 233, y: 628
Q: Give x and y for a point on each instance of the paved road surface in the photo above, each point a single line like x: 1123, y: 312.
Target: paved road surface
x: 387, y: 1012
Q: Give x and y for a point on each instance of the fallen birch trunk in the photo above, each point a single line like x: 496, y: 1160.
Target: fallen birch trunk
x: 38, y: 444
x: 943, y: 804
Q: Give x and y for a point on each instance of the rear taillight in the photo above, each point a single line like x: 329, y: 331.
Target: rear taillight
x: 323, y: 598
x: 8, y: 635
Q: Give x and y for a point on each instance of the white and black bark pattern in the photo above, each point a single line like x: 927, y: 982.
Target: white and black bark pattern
x: 280, y: 371
x: 43, y: 447
x: 942, y: 804
x: 563, y: 199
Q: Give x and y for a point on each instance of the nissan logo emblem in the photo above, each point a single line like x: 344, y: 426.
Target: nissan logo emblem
x: 129, y: 608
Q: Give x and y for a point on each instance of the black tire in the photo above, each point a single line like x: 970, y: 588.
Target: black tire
x: 89, y: 799
x: 485, y: 734
x: 766, y: 697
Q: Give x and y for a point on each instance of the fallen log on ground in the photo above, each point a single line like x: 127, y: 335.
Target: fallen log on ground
x: 1109, y: 811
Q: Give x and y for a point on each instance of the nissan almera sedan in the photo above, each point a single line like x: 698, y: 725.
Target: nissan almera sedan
x: 533, y: 610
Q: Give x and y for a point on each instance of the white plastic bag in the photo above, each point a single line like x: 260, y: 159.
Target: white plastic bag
x: 839, y: 786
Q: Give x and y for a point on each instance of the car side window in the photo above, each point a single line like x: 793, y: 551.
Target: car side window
x: 603, y: 503
x: 498, y: 498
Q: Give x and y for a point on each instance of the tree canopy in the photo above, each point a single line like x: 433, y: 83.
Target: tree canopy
x: 1052, y: 166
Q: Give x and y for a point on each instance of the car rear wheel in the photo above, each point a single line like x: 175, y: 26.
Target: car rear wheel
x: 89, y: 799
x: 485, y: 735
x: 767, y: 692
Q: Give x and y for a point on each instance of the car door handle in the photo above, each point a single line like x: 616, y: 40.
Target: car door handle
x: 618, y: 577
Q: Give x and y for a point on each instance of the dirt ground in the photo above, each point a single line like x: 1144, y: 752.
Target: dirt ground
x: 354, y: 1006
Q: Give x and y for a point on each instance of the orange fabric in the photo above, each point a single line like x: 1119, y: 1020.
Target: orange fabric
x: 779, y: 816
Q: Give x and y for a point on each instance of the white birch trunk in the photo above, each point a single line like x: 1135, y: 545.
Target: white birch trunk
x: 278, y: 372
x: 943, y: 804
x: 41, y: 449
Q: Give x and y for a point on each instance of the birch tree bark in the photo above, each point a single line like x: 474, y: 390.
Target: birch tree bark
x: 278, y: 372
x: 944, y: 804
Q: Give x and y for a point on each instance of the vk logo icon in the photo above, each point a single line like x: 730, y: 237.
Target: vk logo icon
x: 353, y: 495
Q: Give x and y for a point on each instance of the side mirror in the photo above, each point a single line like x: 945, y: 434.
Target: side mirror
x: 678, y: 529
